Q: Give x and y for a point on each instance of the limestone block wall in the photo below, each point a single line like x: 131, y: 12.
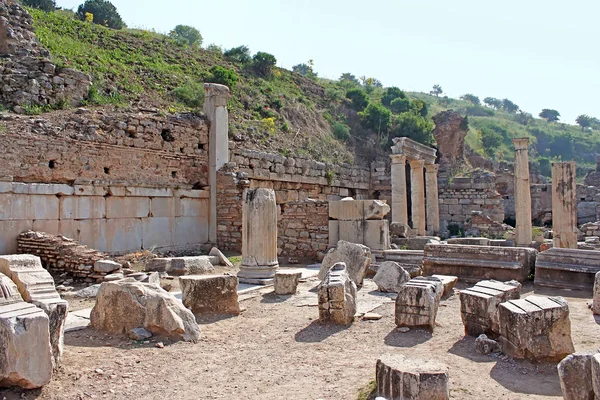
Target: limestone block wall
x: 303, y: 228
x: 115, y: 181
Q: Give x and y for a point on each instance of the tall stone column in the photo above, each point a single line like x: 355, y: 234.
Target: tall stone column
x: 399, y: 199
x: 523, y: 230
x: 417, y: 196
x: 215, y: 109
x: 564, y: 205
x: 259, y: 236
x: 433, y: 204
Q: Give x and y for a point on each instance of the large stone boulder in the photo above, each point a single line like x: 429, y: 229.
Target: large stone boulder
x: 127, y: 304
x: 36, y: 286
x: 537, y: 328
x: 575, y: 374
x: 390, y: 277
x: 210, y: 294
x: 356, y: 257
x: 25, y: 353
x: 337, y: 296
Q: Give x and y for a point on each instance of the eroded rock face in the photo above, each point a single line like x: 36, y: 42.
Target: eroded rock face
x: 537, y: 328
x: 210, y: 294
x: 450, y: 132
x: 25, y: 350
x: 337, y: 296
x: 356, y: 257
x: 127, y: 304
x: 390, y: 277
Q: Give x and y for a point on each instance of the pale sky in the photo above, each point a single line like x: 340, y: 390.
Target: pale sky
x: 537, y: 53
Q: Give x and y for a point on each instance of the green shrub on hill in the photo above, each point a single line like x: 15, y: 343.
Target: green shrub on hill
x: 223, y: 76
x: 44, y: 5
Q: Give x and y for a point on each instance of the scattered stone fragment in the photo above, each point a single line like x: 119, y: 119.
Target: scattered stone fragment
x: 401, y: 377
x: 26, y: 354
x: 127, y: 304
x: 139, y: 334
x: 417, y: 303
x: 160, y: 345
x: 214, y: 252
x: 89, y: 292
x: 114, y: 277
x: 286, y: 282
x: 448, y: 281
x: 337, y: 296
x: 479, y: 306
x: 106, y: 266
x: 356, y: 257
x: 403, y: 329
x: 371, y: 316
x: 210, y: 294
x: 390, y: 277
x: 575, y: 374
x: 536, y: 328
x: 485, y: 345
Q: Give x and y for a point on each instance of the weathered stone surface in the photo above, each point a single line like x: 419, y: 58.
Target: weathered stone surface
x: 479, y: 306
x: 410, y: 260
x: 127, y: 304
x: 448, y: 281
x: 473, y: 263
x: 356, y: 257
x: 523, y: 229
x: 88, y: 292
x: 358, y: 210
x: 469, y: 241
x: 417, y: 303
x: 286, y: 282
x: 450, y: 131
x: 575, y: 374
x: 337, y: 296
x: 26, y: 353
x: 197, y: 265
x: 138, y: 334
x: 399, y: 377
x: 416, y: 243
x: 596, y: 374
x: 537, y: 328
x: 214, y: 252
x: 399, y: 229
x: 567, y: 268
x: 36, y: 286
x: 106, y: 266
x: 596, y: 301
x: 485, y: 345
x: 210, y: 294
x: 390, y: 277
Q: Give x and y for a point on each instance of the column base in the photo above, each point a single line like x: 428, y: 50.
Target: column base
x: 257, y: 274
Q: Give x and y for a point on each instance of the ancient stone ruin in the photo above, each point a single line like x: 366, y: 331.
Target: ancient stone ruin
x: 337, y: 296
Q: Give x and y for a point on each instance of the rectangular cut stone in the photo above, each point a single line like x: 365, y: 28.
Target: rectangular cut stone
x: 536, y: 328
x: 334, y: 232
x: 157, y: 232
x: 127, y: 207
x: 351, y: 231
x: 165, y: 207
x: 473, y: 263
x: 9, y: 230
x: 347, y: 210
x: 567, y: 268
x: 210, y: 294
x: 194, y: 208
x: 479, y: 306
x: 82, y: 207
x: 190, y: 230
x: 123, y: 235
x: 337, y: 296
x: 377, y: 234
x: 417, y: 303
x: 286, y: 282
x: 138, y: 191
x: 28, y: 207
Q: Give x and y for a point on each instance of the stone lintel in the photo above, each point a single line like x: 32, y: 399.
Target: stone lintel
x: 414, y: 150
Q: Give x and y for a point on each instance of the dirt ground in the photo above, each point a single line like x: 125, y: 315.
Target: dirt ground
x: 277, y: 350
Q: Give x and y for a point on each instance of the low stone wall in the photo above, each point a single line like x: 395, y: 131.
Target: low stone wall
x: 61, y: 254
x: 303, y: 229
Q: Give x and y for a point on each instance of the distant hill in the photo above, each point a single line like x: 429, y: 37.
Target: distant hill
x: 289, y: 112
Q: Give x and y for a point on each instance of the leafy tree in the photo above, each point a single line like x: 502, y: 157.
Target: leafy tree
x: 509, y: 106
x: 415, y: 127
x: 305, y: 69
x: 223, y: 76
x: 471, y: 98
x: 348, y: 78
x: 187, y: 34
x: 240, y: 54
x: 391, y: 94
x: 105, y: 13
x: 263, y: 63
x: 493, y: 102
x: 436, y: 91
x: 341, y: 131
x: 584, y: 121
x: 523, y: 118
x: 419, y: 107
x: 400, y: 105
x: 44, y: 5
x: 490, y: 141
x: 358, y: 99
x: 215, y: 49
x: 376, y: 117
x: 550, y: 115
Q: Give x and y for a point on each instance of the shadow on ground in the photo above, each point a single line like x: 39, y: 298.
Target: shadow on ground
x: 527, y: 378
x: 465, y: 348
x: 317, y: 332
x: 90, y: 337
x: 409, y: 339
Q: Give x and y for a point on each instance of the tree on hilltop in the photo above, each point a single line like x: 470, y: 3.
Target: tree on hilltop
x: 44, y: 5
x: 263, y: 63
x: 187, y: 34
x: 471, y: 98
x: 391, y: 94
x: 240, y: 54
x: 347, y: 77
x: 104, y: 12
x: 305, y: 69
x: 550, y: 115
x: 509, y: 106
x: 436, y: 91
x: 358, y: 99
x: 493, y: 102
x: 584, y: 121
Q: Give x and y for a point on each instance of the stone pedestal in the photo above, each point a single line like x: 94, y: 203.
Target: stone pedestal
x: 210, y: 294
x: 399, y: 199
x: 286, y: 282
x: 564, y: 205
x: 215, y: 109
x: 417, y: 196
x: 433, y: 205
x: 259, y: 236
x: 523, y: 230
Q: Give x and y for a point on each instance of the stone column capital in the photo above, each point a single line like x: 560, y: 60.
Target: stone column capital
x: 416, y: 163
x: 398, y: 158
x: 432, y: 168
x: 521, y: 143
x: 219, y: 94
